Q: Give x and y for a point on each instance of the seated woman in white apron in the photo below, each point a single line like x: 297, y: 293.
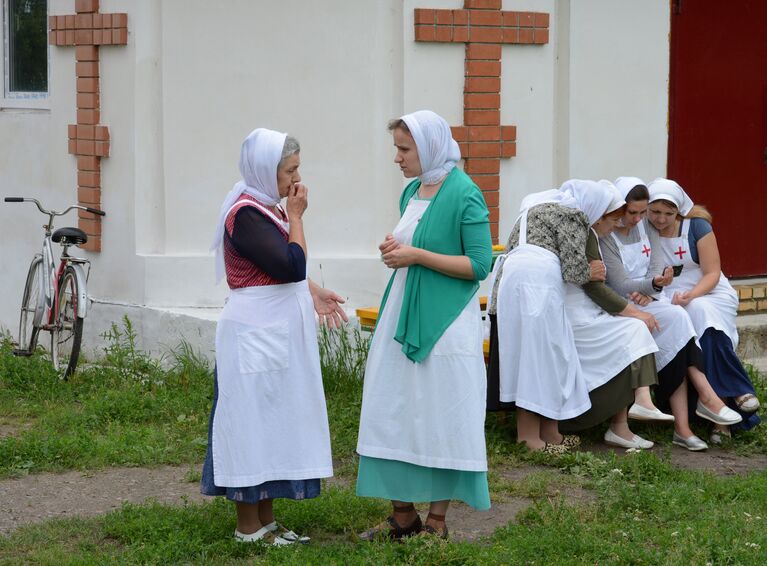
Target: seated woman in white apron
x: 534, y: 365
x: 613, y: 340
x: 688, y: 243
x: 633, y: 270
x: 421, y: 436
x: 267, y: 357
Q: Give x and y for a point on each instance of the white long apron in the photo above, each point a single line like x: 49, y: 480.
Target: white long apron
x: 606, y: 344
x: 719, y: 307
x: 538, y: 364
x: 430, y: 413
x: 270, y: 421
x: 676, y: 328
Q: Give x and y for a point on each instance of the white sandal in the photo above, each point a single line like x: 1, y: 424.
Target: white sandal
x: 263, y: 534
x: 288, y: 535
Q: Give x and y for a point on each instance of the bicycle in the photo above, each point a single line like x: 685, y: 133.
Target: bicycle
x: 55, y: 297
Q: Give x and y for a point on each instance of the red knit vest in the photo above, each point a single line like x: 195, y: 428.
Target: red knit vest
x: 240, y: 271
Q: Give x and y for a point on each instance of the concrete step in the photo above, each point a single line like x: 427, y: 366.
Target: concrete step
x: 752, y: 349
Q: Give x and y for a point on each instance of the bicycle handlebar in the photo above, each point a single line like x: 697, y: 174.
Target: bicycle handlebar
x: 53, y: 212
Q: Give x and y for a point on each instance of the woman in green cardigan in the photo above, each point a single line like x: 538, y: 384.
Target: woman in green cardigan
x: 421, y: 435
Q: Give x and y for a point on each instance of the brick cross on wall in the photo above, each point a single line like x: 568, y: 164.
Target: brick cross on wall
x: 484, y: 28
x: 88, y: 140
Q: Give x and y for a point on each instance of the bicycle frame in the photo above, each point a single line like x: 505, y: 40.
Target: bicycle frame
x: 52, y: 277
x: 52, y: 302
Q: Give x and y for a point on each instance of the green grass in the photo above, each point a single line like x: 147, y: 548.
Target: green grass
x: 130, y: 410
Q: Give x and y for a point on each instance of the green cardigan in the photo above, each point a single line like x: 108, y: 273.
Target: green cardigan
x: 455, y: 223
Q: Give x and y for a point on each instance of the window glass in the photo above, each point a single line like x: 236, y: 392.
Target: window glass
x: 26, y: 46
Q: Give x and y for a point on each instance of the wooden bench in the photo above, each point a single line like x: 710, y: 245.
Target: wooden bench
x: 369, y: 315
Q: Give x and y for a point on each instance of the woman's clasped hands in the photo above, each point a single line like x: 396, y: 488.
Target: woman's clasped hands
x: 396, y: 255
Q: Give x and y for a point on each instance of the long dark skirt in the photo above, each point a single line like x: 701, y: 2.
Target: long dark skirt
x: 493, y: 380
x: 615, y: 395
x: 726, y: 374
x: 675, y: 372
x: 286, y: 489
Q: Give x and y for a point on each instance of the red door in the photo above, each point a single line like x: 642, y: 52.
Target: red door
x: 718, y: 122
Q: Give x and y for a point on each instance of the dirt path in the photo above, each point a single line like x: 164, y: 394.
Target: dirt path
x: 39, y: 497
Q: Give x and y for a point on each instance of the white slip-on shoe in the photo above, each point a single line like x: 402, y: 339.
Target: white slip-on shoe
x: 693, y: 443
x: 640, y: 413
x: 637, y: 442
x: 747, y: 403
x: 725, y: 416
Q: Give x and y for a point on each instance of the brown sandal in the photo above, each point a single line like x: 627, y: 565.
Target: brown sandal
x: 390, y: 529
x: 428, y: 530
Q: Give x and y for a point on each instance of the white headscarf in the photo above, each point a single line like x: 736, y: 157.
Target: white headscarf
x: 666, y: 189
x: 625, y: 184
x: 551, y: 196
x: 591, y: 197
x: 259, y: 156
x: 617, y: 200
x: 438, y: 152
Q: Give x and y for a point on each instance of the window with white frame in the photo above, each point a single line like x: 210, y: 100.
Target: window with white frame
x: 25, y: 51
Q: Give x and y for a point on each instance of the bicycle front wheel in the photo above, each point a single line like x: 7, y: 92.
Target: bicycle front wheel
x: 68, y: 331
x: 32, y: 308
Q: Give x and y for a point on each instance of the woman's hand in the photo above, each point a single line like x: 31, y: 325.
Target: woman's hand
x: 400, y: 255
x: 598, y: 270
x: 388, y: 245
x: 640, y: 299
x: 665, y: 279
x: 297, y: 201
x: 649, y: 320
x: 681, y: 298
x: 327, y: 304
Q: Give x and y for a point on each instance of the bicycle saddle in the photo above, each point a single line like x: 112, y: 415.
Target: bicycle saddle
x: 69, y: 236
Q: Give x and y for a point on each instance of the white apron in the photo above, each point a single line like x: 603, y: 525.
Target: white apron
x: 676, y: 329
x: 538, y: 364
x: 430, y: 413
x: 270, y: 421
x: 719, y: 307
x: 606, y: 344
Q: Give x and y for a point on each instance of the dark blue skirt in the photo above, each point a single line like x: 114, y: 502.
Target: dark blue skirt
x: 286, y: 489
x: 726, y: 374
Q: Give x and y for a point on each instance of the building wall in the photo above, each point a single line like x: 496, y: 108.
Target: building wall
x: 197, y: 76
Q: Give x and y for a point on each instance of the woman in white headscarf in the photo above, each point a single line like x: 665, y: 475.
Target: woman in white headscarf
x: 268, y: 433
x: 636, y: 268
x: 615, y: 353
x: 688, y: 243
x: 534, y: 365
x: 421, y: 436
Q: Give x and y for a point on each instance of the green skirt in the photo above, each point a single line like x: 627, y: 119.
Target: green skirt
x: 401, y: 481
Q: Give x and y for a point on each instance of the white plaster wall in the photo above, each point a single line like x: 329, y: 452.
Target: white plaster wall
x: 328, y: 73
x: 618, y: 96
x: 197, y: 76
x: 528, y: 74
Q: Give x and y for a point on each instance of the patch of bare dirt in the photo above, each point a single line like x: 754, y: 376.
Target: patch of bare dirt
x: 8, y: 427
x: 715, y: 460
x: 35, y: 498
x: 40, y: 497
